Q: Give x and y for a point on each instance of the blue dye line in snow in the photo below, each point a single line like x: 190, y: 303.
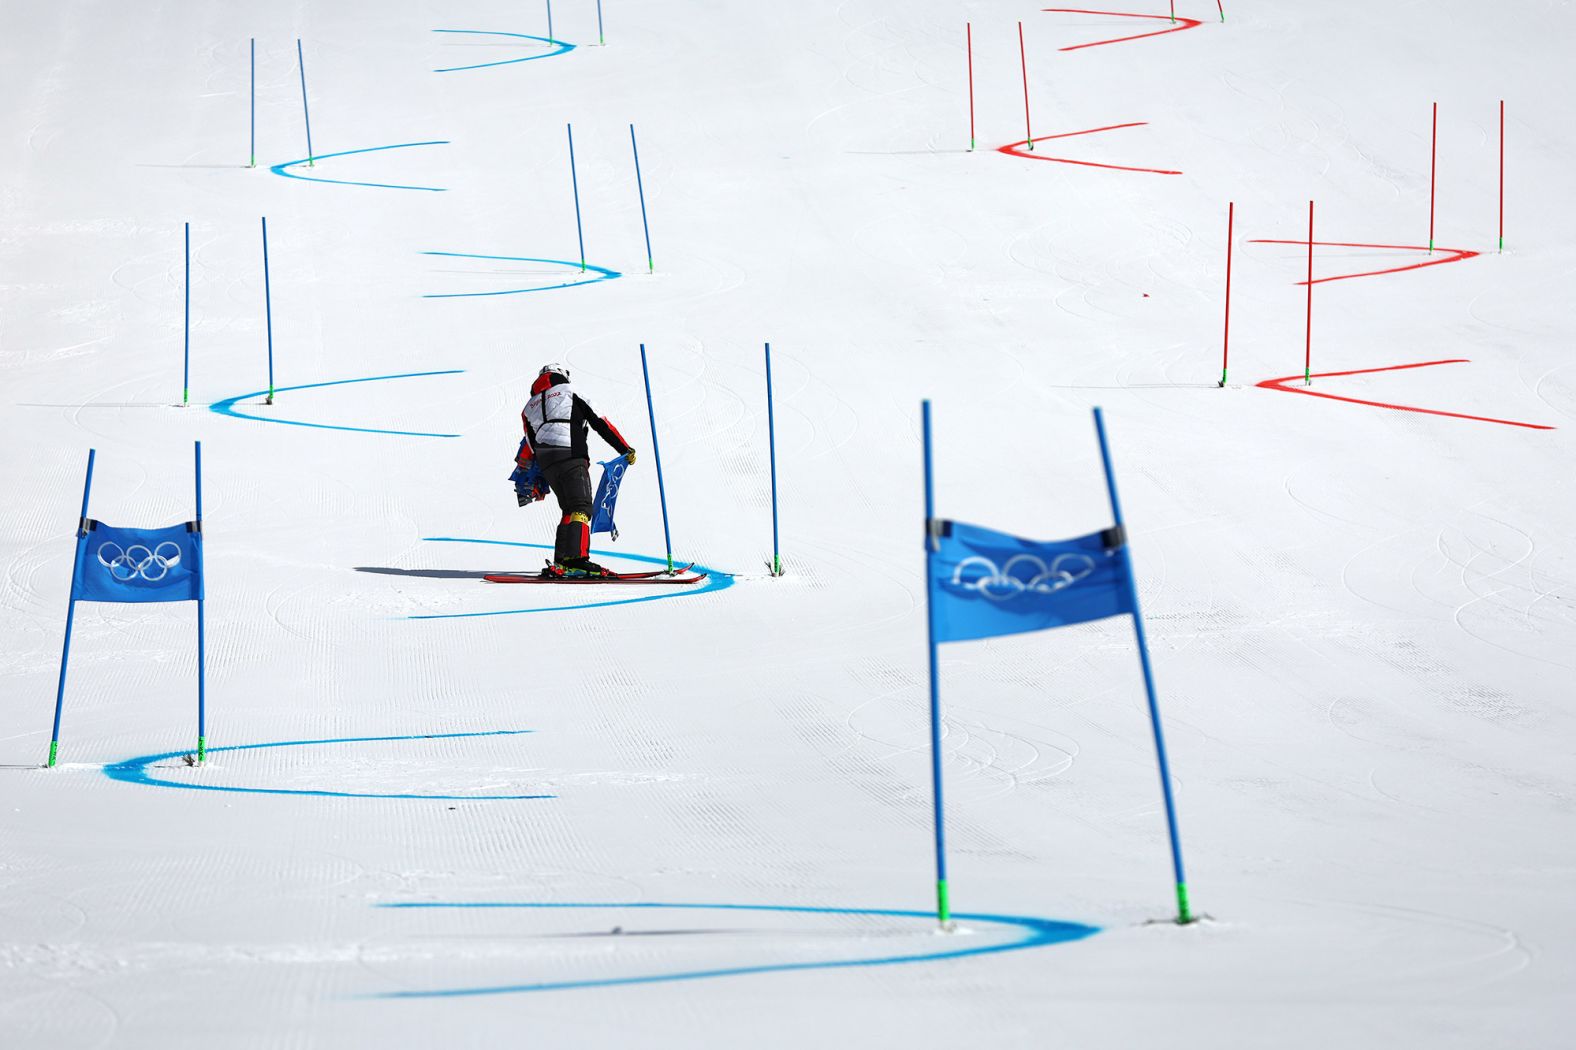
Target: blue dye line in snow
x: 560, y: 48
x: 283, y: 169
x: 136, y: 771
x: 1037, y: 933
x: 715, y: 581
x: 603, y: 274
x: 227, y: 407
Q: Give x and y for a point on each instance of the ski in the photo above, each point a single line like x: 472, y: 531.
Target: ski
x: 631, y: 578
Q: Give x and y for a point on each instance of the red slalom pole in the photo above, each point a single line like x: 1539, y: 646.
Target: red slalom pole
x: 1501, y: 174
x: 1433, y: 167
x: 1225, y: 350
x: 1307, y: 348
x: 1222, y: 8
x: 968, y: 29
x: 1024, y: 62
x: 1173, y: 12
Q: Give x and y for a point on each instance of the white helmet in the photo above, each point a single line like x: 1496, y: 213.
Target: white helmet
x: 554, y: 369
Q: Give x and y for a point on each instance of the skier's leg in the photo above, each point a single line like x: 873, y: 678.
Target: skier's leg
x: 570, y: 480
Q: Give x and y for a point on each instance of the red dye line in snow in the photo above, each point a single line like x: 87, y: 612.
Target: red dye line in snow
x: 1456, y: 255
x: 1278, y: 384
x: 1185, y: 23
x: 1015, y: 149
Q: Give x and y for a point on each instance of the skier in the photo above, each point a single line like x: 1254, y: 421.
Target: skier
x: 555, y: 421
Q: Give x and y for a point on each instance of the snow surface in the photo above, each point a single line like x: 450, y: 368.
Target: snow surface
x: 1363, y: 619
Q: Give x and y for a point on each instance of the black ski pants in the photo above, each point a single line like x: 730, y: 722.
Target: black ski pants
x: 569, y: 476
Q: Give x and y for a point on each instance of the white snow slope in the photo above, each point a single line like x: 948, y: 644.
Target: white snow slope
x: 1363, y: 619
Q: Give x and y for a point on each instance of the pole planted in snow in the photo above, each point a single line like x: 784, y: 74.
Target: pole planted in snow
x: 1184, y: 915
x: 656, y: 452
x: 771, y: 446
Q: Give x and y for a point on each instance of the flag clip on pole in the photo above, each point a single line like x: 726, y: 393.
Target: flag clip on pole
x: 656, y: 452
x: 71, y: 612
x: 202, y: 647
x: 1184, y: 914
x: 771, y: 446
x: 938, y: 811
x: 651, y: 267
x: 268, y: 313
x: 574, y: 181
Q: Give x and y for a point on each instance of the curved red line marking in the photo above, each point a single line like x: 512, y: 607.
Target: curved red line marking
x: 1187, y: 23
x: 1276, y: 384
x: 1456, y: 255
x: 1016, y: 149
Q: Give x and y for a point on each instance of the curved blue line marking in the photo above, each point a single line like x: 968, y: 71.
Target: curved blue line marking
x: 562, y: 49
x: 715, y: 581
x: 283, y: 169
x: 603, y: 274
x: 1037, y: 933
x: 135, y: 770
x: 227, y: 406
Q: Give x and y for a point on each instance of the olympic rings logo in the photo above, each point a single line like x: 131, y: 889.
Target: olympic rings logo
x: 1024, y: 574
x: 130, y: 563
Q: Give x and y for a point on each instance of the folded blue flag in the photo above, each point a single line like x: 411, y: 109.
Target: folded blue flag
x: 985, y: 583
x: 138, y: 565
x: 607, y: 496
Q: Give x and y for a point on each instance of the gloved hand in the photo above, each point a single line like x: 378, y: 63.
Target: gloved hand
x: 629, y: 457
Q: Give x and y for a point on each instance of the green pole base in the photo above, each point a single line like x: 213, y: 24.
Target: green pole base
x: 943, y: 906
x: 1222, y: 377
x: 651, y: 267
x: 185, y: 398
x: 1430, y: 246
x: 54, y: 753
x: 1502, y: 244
x: 1184, y: 915
x: 777, y: 565
x: 202, y: 748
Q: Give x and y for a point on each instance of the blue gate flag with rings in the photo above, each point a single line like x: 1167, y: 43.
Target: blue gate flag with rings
x: 985, y: 583
x: 138, y: 565
x: 607, y: 496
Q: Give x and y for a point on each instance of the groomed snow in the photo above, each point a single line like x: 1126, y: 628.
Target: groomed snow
x: 1363, y: 619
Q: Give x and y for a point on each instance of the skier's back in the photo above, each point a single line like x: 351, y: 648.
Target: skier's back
x: 556, y: 420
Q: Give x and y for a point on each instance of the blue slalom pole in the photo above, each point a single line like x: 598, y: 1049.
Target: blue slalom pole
x: 253, y: 162
x: 600, y: 38
x: 574, y: 180
x: 268, y: 312
x: 550, y: 39
x: 656, y: 451
x: 305, y: 111
x: 1184, y: 916
x: 943, y: 904
x: 186, y: 357
x: 641, y: 186
x: 202, y: 646
x: 771, y: 444
x: 71, y: 613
